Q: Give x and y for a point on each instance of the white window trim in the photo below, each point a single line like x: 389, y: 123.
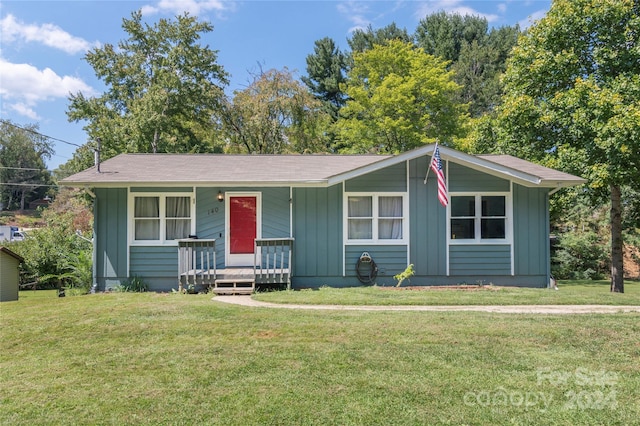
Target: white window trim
x: 375, y: 240
x: 162, y: 199
x: 508, y: 238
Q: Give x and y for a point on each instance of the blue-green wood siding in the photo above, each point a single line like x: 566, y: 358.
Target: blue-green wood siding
x: 110, y: 230
x: 531, y: 231
x: 156, y: 265
x: 275, y: 213
x: 390, y: 260
x: 462, y: 179
x: 210, y: 220
x: 480, y: 259
x: 427, y: 221
x: 390, y: 179
x: 317, y: 228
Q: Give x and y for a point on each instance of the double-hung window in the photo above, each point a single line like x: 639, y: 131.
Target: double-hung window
x: 376, y: 218
x: 161, y: 218
x: 479, y: 218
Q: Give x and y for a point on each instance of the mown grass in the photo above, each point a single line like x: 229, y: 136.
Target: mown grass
x: 151, y: 358
x: 569, y: 293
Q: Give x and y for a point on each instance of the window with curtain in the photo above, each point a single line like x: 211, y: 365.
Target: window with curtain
x: 390, y: 218
x: 161, y: 218
x: 478, y: 217
x: 178, y: 223
x: 147, y: 218
x: 375, y: 217
x: 360, y: 218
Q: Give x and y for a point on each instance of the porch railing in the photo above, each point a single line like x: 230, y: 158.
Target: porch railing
x: 273, y: 261
x: 196, y: 262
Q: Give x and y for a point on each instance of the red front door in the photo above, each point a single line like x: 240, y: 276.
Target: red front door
x: 243, y: 213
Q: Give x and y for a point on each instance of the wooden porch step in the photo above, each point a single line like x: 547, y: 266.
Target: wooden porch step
x: 233, y: 290
x: 250, y: 281
x: 236, y: 285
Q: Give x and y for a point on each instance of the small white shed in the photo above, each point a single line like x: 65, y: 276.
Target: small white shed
x: 9, y: 274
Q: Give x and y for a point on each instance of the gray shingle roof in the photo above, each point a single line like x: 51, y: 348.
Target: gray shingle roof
x: 220, y: 169
x: 295, y: 170
x: 541, y: 172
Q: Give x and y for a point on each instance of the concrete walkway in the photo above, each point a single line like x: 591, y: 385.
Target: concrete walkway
x: 503, y: 309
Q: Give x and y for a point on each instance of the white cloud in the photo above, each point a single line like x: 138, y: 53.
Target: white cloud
x: 355, y: 12
x: 451, y: 6
x: 502, y: 7
x: 25, y: 111
x: 530, y: 20
x: 24, y: 86
x: 194, y: 7
x: 48, y: 34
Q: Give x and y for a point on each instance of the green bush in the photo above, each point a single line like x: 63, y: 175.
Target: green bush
x: 54, y: 256
x: 580, y: 255
x: 134, y: 285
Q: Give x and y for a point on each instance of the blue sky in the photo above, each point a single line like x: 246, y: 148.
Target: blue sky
x: 42, y: 43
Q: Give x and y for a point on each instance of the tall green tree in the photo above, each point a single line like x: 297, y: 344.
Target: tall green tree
x: 362, y: 40
x: 573, y: 101
x: 444, y: 35
x: 326, y: 69
x: 399, y: 98
x: 477, y: 55
x: 275, y: 114
x: 163, y: 87
x: 23, y: 172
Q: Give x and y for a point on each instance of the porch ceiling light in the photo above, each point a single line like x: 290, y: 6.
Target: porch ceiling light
x: 220, y: 196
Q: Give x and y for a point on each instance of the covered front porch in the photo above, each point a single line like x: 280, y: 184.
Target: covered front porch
x: 198, y: 267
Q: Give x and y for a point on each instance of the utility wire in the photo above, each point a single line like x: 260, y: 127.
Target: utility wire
x: 38, y: 133
x: 27, y: 184
x: 22, y: 168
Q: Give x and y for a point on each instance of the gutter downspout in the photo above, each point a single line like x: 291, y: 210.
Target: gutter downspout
x: 94, y: 240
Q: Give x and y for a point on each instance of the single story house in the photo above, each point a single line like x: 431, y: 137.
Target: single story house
x: 335, y: 220
x: 9, y: 274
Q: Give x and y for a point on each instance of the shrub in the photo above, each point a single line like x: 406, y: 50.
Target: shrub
x: 133, y: 285
x: 580, y: 255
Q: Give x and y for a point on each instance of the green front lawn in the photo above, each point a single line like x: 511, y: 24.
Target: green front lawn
x: 185, y: 359
x: 569, y: 293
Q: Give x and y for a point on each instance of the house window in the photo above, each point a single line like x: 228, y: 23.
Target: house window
x: 161, y: 218
x: 377, y: 218
x: 479, y: 217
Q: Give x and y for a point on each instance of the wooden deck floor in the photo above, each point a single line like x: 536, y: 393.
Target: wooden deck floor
x: 238, y: 280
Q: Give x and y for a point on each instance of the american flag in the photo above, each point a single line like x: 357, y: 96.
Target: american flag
x: 436, y: 166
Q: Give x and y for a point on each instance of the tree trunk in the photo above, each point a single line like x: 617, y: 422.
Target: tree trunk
x: 22, y: 197
x: 617, y: 266
x: 154, y: 143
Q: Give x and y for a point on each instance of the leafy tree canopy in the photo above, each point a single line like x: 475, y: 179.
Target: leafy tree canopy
x: 276, y: 114
x: 573, y: 100
x: 23, y: 172
x: 399, y: 98
x: 444, y: 35
x: 162, y: 89
x: 477, y: 55
x: 362, y: 40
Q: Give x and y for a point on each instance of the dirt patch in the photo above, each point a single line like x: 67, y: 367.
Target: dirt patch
x: 631, y: 256
x: 445, y: 287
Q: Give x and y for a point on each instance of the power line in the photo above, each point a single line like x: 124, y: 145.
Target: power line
x: 22, y: 168
x: 27, y: 184
x: 38, y: 133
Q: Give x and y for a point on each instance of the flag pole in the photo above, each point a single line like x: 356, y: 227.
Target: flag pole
x: 431, y: 162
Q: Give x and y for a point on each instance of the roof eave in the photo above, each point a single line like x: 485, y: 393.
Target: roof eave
x: 173, y: 184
